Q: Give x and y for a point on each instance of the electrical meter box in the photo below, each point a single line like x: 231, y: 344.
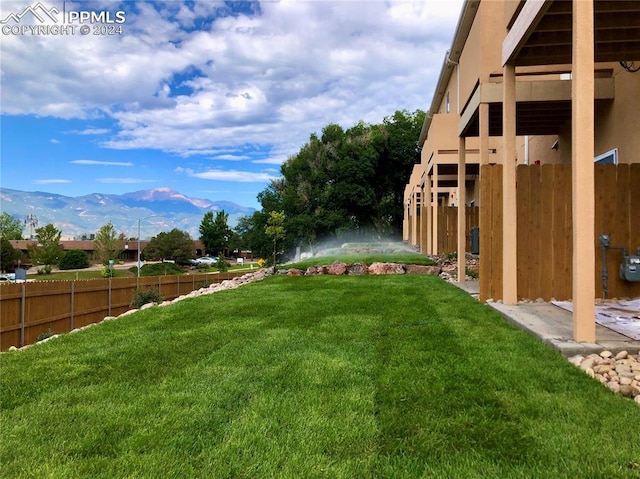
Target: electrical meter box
x: 630, y: 268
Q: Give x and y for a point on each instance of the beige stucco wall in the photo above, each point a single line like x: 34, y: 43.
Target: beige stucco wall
x: 482, y: 52
x: 471, y: 58
x: 511, y: 7
x: 442, y: 135
x: 617, y: 122
x: 540, y: 149
x: 472, y: 195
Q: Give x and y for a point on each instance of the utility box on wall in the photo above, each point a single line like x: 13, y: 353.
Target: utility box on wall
x: 630, y: 268
x: 475, y: 240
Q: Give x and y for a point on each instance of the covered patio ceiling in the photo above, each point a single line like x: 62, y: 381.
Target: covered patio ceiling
x: 532, y: 118
x: 541, y: 35
x: 448, y: 174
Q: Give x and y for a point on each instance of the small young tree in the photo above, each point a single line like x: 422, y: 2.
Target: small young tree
x: 47, y: 249
x: 107, y: 244
x: 275, y: 230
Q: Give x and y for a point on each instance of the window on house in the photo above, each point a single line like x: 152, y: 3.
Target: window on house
x: 608, y: 158
x: 447, y: 105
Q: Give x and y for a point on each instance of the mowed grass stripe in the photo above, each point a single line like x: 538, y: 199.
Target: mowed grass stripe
x: 310, y: 377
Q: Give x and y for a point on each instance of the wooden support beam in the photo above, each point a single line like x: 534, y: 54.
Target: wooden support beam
x: 462, y: 200
x: 583, y: 181
x: 428, y: 215
x: 434, y: 210
x: 509, y: 213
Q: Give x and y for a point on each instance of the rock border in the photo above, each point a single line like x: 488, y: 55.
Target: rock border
x: 620, y: 373
x: 339, y: 268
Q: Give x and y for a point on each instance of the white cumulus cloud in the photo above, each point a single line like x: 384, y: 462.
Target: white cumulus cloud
x: 269, y: 78
x: 227, y: 175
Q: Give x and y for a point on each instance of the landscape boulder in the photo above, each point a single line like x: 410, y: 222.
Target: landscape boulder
x: 315, y: 270
x: 337, y: 268
x: 358, y: 269
x: 420, y: 269
x: 387, y: 268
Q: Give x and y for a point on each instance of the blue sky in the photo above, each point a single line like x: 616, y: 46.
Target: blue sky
x: 208, y: 98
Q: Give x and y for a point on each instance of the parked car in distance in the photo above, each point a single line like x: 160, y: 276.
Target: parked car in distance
x: 7, y: 277
x: 205, y: 261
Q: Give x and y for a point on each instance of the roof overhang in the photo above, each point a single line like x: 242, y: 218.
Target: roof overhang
x: 451, y: 58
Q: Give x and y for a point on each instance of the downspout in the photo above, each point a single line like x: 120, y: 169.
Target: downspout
x: 526, y: 149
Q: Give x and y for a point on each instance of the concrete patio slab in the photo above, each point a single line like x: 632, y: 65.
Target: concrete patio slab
x: 554, y: 326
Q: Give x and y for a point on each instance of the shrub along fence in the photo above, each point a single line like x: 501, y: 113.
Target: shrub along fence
x: 30, y: 309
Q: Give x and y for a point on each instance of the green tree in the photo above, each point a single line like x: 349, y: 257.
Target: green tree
x: 75, y: 259
x: 8, y: 254
x: 251, y: 230
x: 10, y: 227
x: 397, y: 153
x: 215, y: 233
x: 46, y: 250
x: 175, y: 245
x: 275, y: 230
x: 107, y: 244
x: 347, y: 184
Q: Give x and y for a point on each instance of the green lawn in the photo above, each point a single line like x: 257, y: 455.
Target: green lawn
x: 336, y: 377
x: 124, y: 273
x: 76, y: 275
x: 405, y: 258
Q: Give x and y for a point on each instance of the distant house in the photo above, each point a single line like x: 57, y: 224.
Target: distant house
x: 129, y: 253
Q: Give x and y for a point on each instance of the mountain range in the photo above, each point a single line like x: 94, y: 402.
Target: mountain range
x: 159, y: 209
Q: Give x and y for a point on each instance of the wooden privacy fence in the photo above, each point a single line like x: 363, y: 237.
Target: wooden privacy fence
x: 490, y: 269
x: 448, y: 227
x: 30, y: 309
x: 544, y: 229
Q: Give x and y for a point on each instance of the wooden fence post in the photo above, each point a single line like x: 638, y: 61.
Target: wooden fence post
x: 73, y: 285
x: 22, y: 318
x: 109, y: 299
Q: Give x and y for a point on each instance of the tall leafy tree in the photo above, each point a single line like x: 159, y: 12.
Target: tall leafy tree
x: 107, y: 244
x: 251, y: 231
x: 10, y: 228
x: 398, y: 153
x: 215, y: 233
x: 175, y: 245
x: 347, y: 183
x: 46, y: 250
x: 8, y: 254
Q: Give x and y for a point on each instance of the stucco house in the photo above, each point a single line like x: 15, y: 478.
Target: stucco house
x: 535, y: 122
